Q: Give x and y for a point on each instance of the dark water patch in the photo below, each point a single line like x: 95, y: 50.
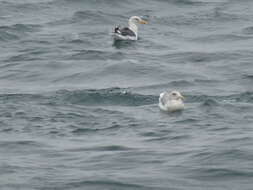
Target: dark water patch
x: 248, y: 30
x: 6, y: 36
x: 21, y: 97
x: 35, y: 42
x: 210, y: 158
x: 122, y: 44
x: 105, y: 3
x: 133, y: 70
x: 165, y: 86
x: 184, y: 2
x: 158, y: 135
x: 92, y: 16
x: 180, y: 137
x: 63, y: 123
x: 117, y: 96
x: 93, y: 126
x: 90, y: 35
x: 113, y: 96
x: 214, y: 100
x: 206, y: 81
x: 158, y: 139
x: 221, y: 15
x: 23, y: 146
x: 180, y: 83
x: 80, y: 131
x: 165, y: 136
x: 189, y: 120
x: 248, y: 76
x: 151, y: 134
x: 221, y: 174
x: 185, y: 57
x: 222, y: 38
x: 244, y: 97
x: 108, y: 111
x: 96, y: 55
x: 188, y: 2
x: 6, y: 114
x: 8, y: 169
x: 77, y: 41
x: 21, y: 28
x: 31, y: 56
x: 8, y: 65
x: 210, y: 103
x: 17, y: 31
x: 219, y: 129
x: 60, y: 22
x: 6, y: 130
x: 199, y: 18
x: 102, y: 148
x: 55, y: 132
x: 236, y: 140
x: 20, y: 114
x: 196, y: 98
x: 22, y: 8
x: 143, y: 13
x: 108, y: 184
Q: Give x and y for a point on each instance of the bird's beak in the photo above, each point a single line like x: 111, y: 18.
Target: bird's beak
x: 143, y: 22
x: 182, y: 97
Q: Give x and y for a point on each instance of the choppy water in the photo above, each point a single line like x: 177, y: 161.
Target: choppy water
x: 80, y: 112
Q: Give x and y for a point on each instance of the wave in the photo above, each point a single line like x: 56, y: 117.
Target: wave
x: 113, y: 96
x: 210, y: 103
x: 119, y: 96
x: 222, y: 37
x: 102, y: 148
x: 248, y: 76
x: 241, y: 97
x: 108, y: 184
x: 184, y: 2
x: 96, y: 55
x: 199, y: 18
x: 22, y: 145
x: 110, y: 3
x: 16, y: 31
x: 31, y: 56
x: 197, y: 56
x: 80, y: 131
x: 248, y: 30
x: 95, y: 17
x: 221, y: 173
x: 24, y: 6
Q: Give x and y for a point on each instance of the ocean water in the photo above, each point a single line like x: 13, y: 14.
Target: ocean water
x: 79, y: 111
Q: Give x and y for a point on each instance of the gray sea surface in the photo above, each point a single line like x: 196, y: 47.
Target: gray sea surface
x: 80, y: 111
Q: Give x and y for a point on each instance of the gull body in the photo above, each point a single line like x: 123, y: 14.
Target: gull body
x: 171, y: 101
x: 130, y: 32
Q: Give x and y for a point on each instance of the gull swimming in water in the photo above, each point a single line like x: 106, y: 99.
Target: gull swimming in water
x: 130, y: 32
x: 172, y: 101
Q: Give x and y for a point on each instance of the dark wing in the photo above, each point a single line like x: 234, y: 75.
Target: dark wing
x: 124, y: 31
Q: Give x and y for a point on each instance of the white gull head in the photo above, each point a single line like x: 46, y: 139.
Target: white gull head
x: 171, y: 102
x: 133, y: 21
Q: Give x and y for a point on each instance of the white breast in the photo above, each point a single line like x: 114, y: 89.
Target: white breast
x: 170, y: 105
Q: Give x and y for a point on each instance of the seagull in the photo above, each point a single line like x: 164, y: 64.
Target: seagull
x: 171, y: 102
x: 130, y: 32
